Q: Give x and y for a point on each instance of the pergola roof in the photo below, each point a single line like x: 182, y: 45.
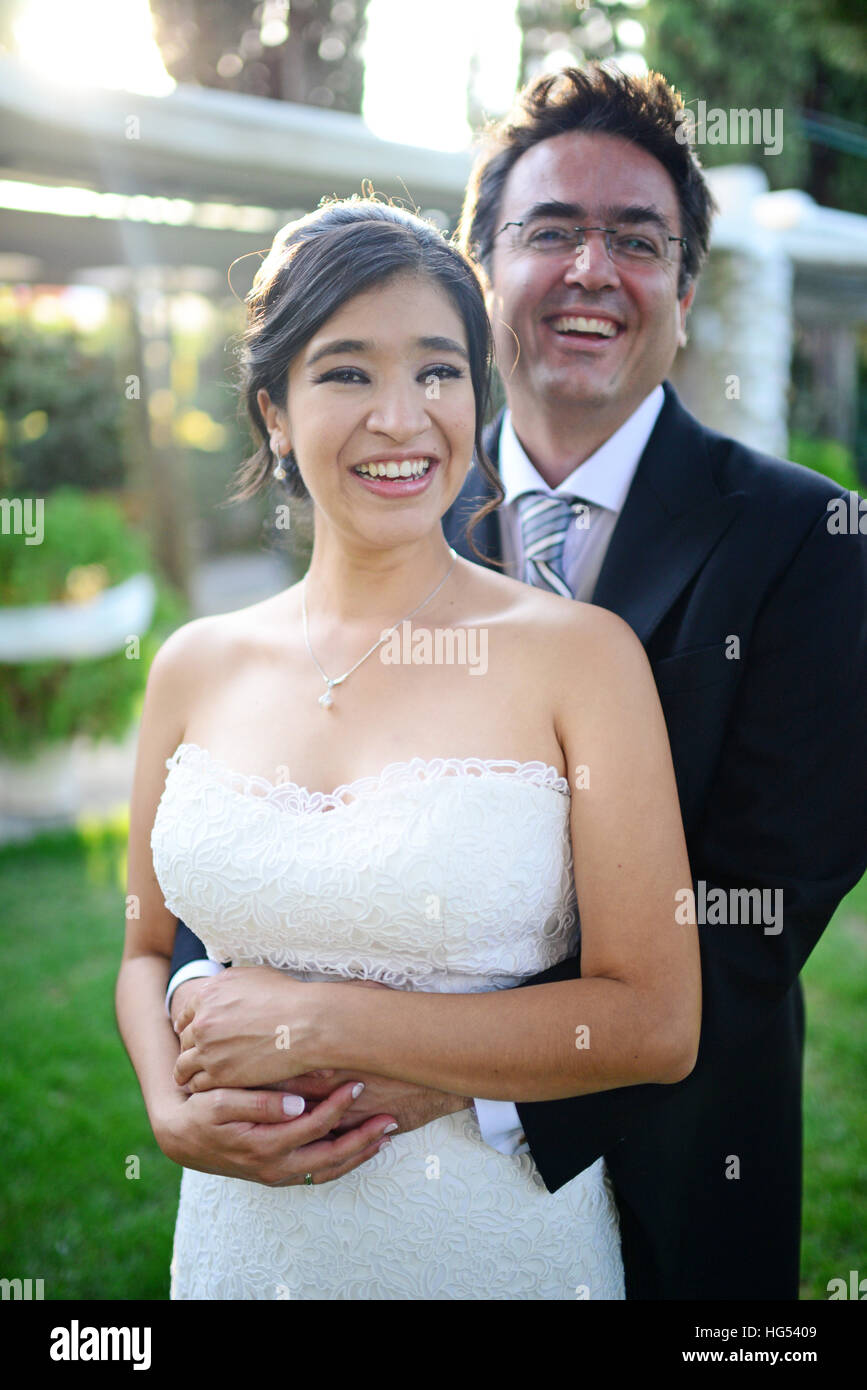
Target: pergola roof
x: 198, y: 144
x: 208, y: 146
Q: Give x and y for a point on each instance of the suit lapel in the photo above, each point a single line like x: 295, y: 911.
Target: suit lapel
x: 673, y: 516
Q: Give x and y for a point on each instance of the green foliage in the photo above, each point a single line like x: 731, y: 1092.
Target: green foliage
x: 797, y: 56
x: 60, y: 415
x: 79, y: 530
x: 826, y: 456
x: 47, y: 701
x: 808, y: 59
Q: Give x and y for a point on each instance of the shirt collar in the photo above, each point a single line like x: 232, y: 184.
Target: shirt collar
x: 602, y: 479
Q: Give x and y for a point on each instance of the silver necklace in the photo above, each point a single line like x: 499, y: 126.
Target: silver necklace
x: 327, y: 700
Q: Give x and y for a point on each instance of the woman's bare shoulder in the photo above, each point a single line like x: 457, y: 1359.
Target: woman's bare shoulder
x: 568, y: 625
x: 201, y: 648
x: 194, y: 642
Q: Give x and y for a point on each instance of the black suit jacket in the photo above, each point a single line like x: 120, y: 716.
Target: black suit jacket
x: 754, y: 618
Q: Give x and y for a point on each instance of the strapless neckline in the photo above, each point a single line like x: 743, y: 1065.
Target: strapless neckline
x: 442, y: 875
x: 535, y: 773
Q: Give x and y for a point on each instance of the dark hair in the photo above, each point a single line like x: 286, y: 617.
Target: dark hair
x: 316, y: 264
x: 642, y: 110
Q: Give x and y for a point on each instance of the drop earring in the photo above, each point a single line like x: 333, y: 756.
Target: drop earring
x: 279, y: 470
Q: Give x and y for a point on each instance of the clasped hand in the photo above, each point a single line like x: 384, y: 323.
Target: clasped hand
x: 229, y: 1028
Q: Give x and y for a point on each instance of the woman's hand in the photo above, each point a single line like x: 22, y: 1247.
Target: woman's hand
x: 412, y: 1106
x: 247, y: 1027
x: 246, y: 1134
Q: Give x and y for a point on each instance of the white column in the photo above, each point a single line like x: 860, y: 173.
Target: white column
x: 734, y: 374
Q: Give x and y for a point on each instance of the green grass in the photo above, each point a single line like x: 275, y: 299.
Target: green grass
x: 835, y: 1127
x: 72, y: 1113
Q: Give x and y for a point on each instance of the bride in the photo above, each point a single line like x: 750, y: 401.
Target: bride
x: 330, y: 818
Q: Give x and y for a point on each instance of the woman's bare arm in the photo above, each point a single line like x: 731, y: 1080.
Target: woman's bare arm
x: 633, y: 1017
x: 143, y: 976
x: 238, y: 1133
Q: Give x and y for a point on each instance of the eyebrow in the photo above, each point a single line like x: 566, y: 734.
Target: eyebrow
x: 630, y: 213
x: 345, y: 345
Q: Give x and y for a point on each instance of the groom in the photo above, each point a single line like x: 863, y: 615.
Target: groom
x: 591, y: 221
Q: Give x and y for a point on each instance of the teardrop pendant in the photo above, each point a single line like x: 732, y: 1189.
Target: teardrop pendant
x: 327, y: 700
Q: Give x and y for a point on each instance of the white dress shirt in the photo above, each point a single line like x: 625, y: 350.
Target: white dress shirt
x: 603, y: 480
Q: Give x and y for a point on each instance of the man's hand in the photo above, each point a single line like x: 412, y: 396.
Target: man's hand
x: 246, y: 1027
x: 412, y: 1106
x: 184, y: 993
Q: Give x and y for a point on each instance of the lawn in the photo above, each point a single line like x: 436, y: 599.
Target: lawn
x: 835, y: 1102
x: 72, y: 1113
x: 73, y: 1119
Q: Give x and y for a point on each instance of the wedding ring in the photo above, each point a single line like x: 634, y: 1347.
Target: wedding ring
x: 308, y: 1179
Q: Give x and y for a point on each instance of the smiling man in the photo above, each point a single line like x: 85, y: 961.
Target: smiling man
x: 591, y: 221
x: 589, y: 289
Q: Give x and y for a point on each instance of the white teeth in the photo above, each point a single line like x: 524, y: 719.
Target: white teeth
x: 395, y: 468
x: 579, y: 324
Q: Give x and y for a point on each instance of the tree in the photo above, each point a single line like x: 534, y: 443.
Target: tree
x: 306, y: 51
x: 810, y: 61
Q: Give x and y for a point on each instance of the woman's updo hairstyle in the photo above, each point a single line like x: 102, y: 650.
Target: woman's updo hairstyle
x: 317, y: 263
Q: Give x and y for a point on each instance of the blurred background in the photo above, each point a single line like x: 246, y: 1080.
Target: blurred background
x: 148, y: 154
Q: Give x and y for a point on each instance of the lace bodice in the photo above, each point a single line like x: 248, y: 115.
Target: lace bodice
x: 451, y: 874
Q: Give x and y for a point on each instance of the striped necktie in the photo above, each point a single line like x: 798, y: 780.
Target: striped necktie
x: 545, y: 521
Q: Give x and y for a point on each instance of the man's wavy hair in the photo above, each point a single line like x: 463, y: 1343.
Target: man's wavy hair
x: 642, y: 110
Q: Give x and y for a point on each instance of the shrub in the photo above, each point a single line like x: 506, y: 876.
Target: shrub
x: 45, y: 702
x: 60, y: 415
x: 826, y: 456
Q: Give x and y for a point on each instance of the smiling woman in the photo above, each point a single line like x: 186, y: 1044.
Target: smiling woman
x: 331, y: 267
x: 397, y: 386
x: 420, y: 838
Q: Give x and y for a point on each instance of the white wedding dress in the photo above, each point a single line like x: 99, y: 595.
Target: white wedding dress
x: 451, y: 875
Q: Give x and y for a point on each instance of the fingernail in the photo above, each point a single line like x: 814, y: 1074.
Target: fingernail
x: 389, y: 1128
x: 293, y: 1105
x: 357, y: 1089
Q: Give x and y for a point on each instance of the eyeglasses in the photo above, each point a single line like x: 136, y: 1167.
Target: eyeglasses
x: 628, y: 246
